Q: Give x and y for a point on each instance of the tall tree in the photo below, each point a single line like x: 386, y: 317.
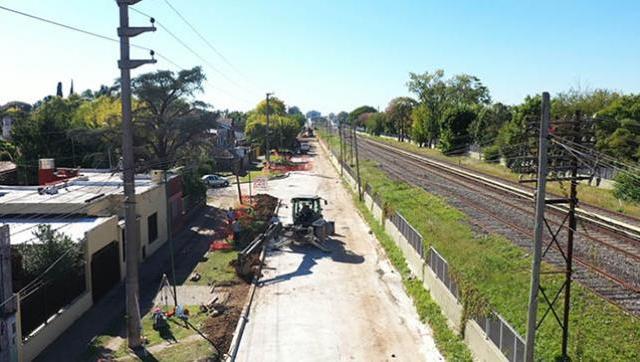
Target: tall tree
x: 355, y: 114
x: 399, y: 115
x: 454, y: 135
x: 168, y: 117
x: 486, y: 126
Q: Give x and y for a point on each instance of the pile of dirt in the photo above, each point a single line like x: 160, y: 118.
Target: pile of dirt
x: 220, y: 329
x: 264, y: 206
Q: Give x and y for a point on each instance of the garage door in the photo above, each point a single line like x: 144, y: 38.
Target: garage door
x: 105, y: 270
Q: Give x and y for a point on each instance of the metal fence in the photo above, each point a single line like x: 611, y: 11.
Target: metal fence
x: 503, y: 336
x: 494, y: 326
x: 409, y: 232
x: 441, y: 268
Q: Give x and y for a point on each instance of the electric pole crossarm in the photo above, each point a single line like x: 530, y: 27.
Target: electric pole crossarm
x: 134, y: 30
x: 134, y: 63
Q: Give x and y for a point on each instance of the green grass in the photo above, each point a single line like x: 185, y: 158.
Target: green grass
x: 588, y: 194
x: 216, y: 267
x: 449, y: 343
x: 494, y: 273
x: 192, y: 351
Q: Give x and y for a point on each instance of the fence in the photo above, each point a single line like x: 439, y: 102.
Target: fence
x: 412, y: 235
x: 503, y: 336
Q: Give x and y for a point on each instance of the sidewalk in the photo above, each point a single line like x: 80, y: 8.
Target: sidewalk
x: 189, y: 246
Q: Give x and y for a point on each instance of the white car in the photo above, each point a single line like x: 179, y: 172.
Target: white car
x: 215, y: 181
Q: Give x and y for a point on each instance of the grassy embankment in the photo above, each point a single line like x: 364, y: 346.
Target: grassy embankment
x: 588, y: 194
x: 495, y: 274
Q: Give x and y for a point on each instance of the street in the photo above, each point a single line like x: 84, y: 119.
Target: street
x: 348, y: 304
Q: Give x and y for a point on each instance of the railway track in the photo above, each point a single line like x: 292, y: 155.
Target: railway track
x: 606, y: 250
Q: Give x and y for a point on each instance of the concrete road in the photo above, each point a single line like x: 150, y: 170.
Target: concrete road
x: 346, y: 305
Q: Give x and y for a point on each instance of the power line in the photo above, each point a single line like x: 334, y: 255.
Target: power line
x: 86, y: 32
x: 215, y: 50
x: 190, y: 49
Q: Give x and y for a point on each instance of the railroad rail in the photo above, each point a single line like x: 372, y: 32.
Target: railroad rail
x: 607, y: 250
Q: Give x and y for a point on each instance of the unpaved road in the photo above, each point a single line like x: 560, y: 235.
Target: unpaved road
x: 346, y: 305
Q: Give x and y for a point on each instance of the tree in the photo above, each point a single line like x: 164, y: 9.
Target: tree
x: 439, y: 94
x: 399, y: 116
x: 313, y: 114
x: 342, y: 117
x: 293, y: 110
x: 283, y: 128
x: 425, y: 128
x: 486, y: 126
x: 59, y: 90
x: 373, y: 122
x: 50, y: 246
x: 454, y: 135
x: 512, y: 136
x: 355, y: 114
x: 239, y: 119
x: 168, y: 119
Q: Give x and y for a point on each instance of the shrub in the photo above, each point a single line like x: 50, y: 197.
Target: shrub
x: 491, y: 154
x: 627, y: 186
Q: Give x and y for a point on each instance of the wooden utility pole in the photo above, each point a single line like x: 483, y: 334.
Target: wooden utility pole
x: 125, y: 64
x: 539, y: 226
x: 8, y: 339
x: 341, y: 150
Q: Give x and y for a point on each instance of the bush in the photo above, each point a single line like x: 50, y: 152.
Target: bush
x: 627, y: 186
x: 491, y: 154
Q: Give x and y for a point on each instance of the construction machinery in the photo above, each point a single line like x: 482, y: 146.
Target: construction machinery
x: 309, y: 225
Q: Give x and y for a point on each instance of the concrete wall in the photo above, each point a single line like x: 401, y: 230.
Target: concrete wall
x: 57, y: 324
x: 152, y: 201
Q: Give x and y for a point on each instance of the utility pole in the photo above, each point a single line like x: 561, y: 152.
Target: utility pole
x: 355, y: 145
x: 131, y: 231
x: 167, y: 194
x: 268, y: 151
x: 341, y: 150
x: 543, y: 144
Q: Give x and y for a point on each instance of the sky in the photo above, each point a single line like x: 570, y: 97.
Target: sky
x: 330, y: 55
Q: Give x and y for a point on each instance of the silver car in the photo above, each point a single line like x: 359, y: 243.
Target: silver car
x: 215, y: 181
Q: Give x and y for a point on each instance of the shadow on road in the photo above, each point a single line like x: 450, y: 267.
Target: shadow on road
x: 338, y: 253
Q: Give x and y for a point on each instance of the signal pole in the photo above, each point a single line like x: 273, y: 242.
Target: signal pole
x: 131, y: 235
x: 268, y: 151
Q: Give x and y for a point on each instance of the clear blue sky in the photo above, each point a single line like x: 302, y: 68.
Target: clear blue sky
x: 334, y: 55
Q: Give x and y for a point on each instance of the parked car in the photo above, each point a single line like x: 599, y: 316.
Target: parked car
x: 215, y: 181
x: 305, y: 147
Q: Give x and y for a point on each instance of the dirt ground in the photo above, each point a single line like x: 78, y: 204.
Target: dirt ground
x: 346, y: 304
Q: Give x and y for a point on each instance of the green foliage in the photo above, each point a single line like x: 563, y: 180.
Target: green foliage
x: 48, y: 247
x: 627, y: 186
x: 491, y: 154
x: 374, y: 122
x: 492, y: 272
x: 399, y: 116
x: 356, y: 113
x: 425, y: 127
x: 192, y: 184
x: 484, y: 129
x: 512, y: 134
x: 168, y: 121
x: 283, y: 128
x: 454, y: 134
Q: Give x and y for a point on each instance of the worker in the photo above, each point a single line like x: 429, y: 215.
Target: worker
x: 306, y: 214
x: 236, y: 227
x: 231, y: 216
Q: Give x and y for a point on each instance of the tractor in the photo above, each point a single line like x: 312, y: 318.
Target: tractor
x: 308, y: 226
x: 306, y: 210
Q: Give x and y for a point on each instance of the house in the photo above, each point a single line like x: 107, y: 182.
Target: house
x: 88, y: 207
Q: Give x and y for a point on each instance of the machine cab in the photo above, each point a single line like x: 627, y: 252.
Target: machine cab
x: 306, y: 209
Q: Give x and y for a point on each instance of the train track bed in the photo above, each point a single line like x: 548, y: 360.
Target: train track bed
x: 606, y: 255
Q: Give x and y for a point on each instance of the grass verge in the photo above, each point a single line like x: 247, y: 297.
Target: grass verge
x: 493, y: 273
x: 215, y: 267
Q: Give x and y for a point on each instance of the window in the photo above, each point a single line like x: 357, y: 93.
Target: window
x: 152, y: 227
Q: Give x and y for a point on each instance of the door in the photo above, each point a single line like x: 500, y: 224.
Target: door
x: 105, y: 270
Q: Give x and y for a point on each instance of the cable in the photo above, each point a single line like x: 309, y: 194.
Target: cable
x: 201, y: 58
x: 83, y: 31
x: 215, y: 50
